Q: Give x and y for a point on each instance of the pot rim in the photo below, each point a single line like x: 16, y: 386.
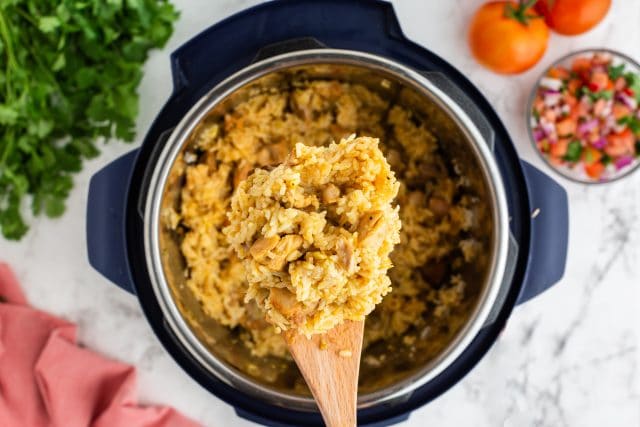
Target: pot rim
x: 230, y: 375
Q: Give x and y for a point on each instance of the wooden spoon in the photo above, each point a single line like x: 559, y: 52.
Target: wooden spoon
x: 330, y: 364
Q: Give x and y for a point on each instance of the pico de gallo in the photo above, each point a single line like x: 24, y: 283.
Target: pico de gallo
x: 585, y: 116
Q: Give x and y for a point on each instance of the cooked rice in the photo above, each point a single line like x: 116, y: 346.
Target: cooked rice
x: 437, y: 209
x: 315, y: 234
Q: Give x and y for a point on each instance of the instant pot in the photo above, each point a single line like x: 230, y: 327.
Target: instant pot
x: 356, y: 41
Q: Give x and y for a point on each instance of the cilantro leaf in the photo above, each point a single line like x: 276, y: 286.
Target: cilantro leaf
x: 615, y: 71
x: 632, y: 122
x: 47, y: 24
x: 633, y: 80
x: 594, y: 96
x: 574, y: 150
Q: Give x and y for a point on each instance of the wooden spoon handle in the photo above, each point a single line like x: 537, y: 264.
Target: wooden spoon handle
x: 330, y: 364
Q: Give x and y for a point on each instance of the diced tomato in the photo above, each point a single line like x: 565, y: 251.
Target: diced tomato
x: 581, y: 64
x: 574, y: 85
x: 600, y: 80
x: 538, y: 105
x: 557, y: 161
x: 574, y: 114
x: 599, y: 106
x: 619, y: 144
x: 570, y: 100
x: 566, y: 127
x: 583, y: 109
x: 594, y: 135
x: 559, y: 73
x: 594, y: 170
x: 629, y: 91
x: 609, y: 85
x: 620, y: 110
x: 591, y: 155
x: 620, y: 83
x: 550, y: 115
x: 559, y: 149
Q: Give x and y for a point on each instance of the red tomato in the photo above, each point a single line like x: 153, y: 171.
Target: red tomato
x: 504, y: 38
x: 572, y: 17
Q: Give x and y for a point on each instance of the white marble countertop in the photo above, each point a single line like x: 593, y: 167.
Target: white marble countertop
x: 567, y: 358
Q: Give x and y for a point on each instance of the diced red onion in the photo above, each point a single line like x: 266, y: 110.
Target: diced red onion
x: 606, y: 111
x: 610, y: 122
x: 600, y: 143
x: 587, y: 126
x: 551, y: 83
x: 623, y: 161
x: 547, y: 128
x: 538, y: 134
x: 549, y: 92
x: 627, y: 100
x: 551, y: 99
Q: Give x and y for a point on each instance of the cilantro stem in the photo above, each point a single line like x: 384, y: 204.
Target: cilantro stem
x: 11, y: 58
x: 519, y: 13
x: 6, y: 37
x: 26, y: 16
x: 8, y: 146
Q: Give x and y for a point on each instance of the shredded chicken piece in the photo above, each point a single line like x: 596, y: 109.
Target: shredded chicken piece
x: 438, y: 206
x: 344, y: 250
x: 330, y: 194
x: 284, y: 251
x: 371, y: 227
x: 261, y: 247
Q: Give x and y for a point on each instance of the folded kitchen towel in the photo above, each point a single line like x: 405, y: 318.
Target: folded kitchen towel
x: 47, y: 380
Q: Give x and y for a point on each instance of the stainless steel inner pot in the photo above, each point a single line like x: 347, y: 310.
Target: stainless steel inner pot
x: 216, y: 347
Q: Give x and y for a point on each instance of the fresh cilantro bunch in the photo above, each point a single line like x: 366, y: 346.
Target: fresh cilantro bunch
x: 69, y: 71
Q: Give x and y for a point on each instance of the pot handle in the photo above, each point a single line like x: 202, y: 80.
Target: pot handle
x: 442, y: 82
x: 549, y: 233
x: 105, y: 223
x: 258, y: 419
x: 286, y: 46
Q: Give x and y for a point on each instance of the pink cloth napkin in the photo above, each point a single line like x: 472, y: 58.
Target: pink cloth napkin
x: 47, y: 380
